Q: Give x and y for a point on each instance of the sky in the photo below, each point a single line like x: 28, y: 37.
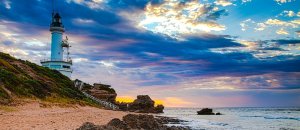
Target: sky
x: 184, y: 53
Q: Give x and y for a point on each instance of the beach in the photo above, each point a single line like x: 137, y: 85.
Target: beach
x: 31, y: 116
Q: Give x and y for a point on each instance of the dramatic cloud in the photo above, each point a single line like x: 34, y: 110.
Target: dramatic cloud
x: 176, y: 18
x: 93, y: 4
x: 276, y: 26
x: 224, y: 2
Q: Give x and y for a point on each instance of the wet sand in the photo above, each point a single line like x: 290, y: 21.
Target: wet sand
x: 31, y: 116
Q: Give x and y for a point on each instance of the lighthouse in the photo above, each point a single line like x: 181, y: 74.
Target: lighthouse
x: 59, y: 59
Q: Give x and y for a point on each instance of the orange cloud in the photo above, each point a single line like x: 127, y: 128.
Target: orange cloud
x: 171, y: 20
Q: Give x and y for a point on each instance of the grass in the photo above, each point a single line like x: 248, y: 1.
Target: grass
x: 67, y: 102
x: 7, y: 65
x: 28, y: 80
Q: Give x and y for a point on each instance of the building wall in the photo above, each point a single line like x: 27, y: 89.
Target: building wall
x: 59, y: 67
x: 56, y: 48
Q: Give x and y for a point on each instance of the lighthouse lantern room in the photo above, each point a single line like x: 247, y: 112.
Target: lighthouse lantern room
x: 59, y: 45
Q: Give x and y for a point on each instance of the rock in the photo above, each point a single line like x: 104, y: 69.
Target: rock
x: 159, y: 109
x: 122, y: 106
x: 132, y: 121
x: 218, y: 113
x: 168, y: 120
x: 205, y: 111
x: 103, y: 92
x: 144, y: 104
x: 149, y: 122
x: 117, y: 123
x: 141, y: 122
x: 88, y: 126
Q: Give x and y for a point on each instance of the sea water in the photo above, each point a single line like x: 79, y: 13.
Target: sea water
x: 238, y: 118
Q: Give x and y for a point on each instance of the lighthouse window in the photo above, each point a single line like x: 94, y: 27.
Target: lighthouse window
x: 65, y: 66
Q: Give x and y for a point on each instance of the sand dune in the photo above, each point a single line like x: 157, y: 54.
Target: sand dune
x: 33, y: 117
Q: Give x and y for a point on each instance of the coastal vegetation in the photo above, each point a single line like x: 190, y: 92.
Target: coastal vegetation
x: 21, y: 79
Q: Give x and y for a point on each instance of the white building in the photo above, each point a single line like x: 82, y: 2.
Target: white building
x: 57, y: 60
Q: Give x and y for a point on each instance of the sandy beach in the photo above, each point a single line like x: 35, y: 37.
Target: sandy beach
x: 31, y: 116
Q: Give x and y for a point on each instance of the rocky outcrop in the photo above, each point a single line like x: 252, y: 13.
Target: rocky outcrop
x: 207, y: 111
x: 132, y: 121
x: 100, y: 91
x: 103, y: 94
x: 144, y: 104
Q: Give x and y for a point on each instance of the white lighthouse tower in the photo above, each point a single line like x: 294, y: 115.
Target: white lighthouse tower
x: 58, y: 45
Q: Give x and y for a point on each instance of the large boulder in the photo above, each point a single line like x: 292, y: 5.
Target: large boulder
x: 141, y: 122
x: 118, y: 124
x: 205, y: 111
x: 144, y: 104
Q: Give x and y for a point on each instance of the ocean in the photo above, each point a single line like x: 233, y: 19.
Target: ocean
x: 238, y: 118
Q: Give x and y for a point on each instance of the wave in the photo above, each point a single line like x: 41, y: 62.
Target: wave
x: 276, y: 118
x: 219, y: 124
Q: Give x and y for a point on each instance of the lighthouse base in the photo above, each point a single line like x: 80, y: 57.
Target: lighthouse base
x: 64, y: 67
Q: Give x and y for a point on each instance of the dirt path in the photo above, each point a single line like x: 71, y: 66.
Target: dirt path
x: 32, y: 117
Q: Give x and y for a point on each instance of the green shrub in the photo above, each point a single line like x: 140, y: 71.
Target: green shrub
x: 41, y: 82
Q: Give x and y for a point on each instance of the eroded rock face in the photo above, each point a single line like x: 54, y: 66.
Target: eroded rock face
x: 133, y: 121
x: 100, y: 91
x: 103, y: 94
x: 144, y: 104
